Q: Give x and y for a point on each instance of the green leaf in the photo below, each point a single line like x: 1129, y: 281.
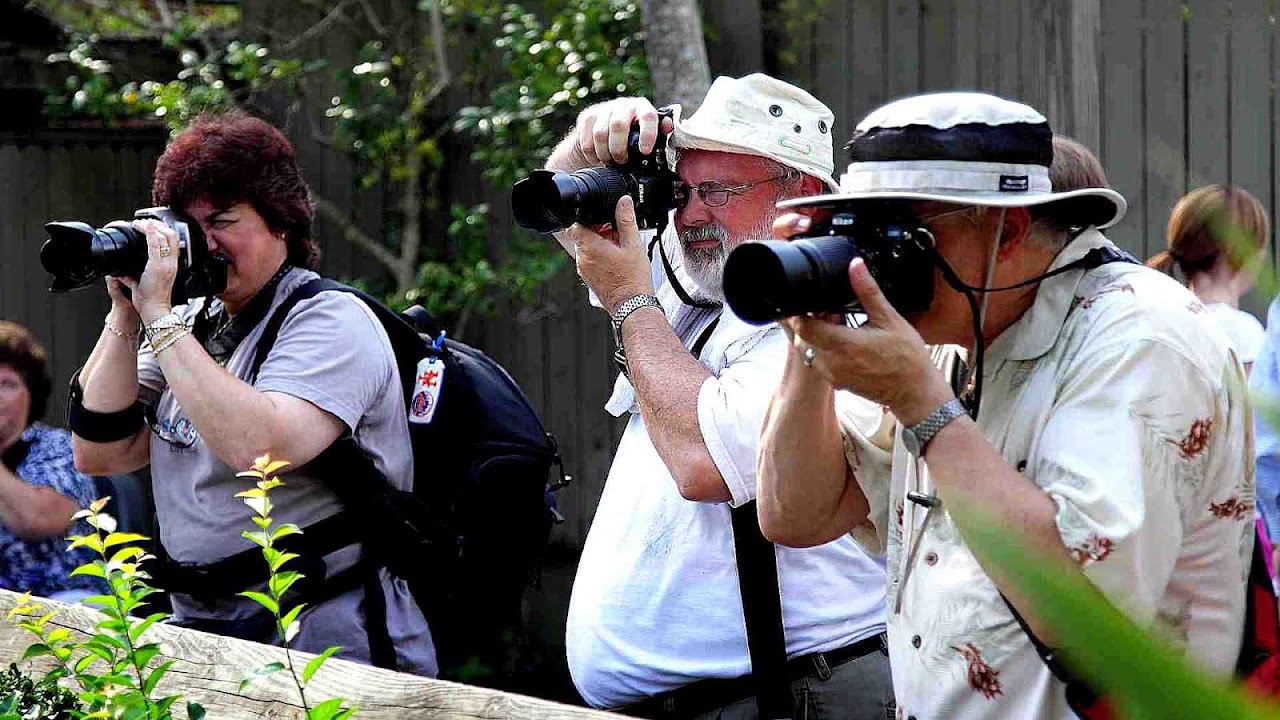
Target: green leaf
x: 154, y: 678
x: 285, y: 530
x: 57, y: 635
x: 262, y: 599
x: 90, y: 570
x: 259, y: 673
x: 136, y: 631
x: 120, y: 538
x: 145, y: 654
x: 291, y: 616
x: 316, y: 662
x: 291, y: 631
x: 257, y: 538
x: 326, y: 710
x: 281, y: 582
x: 83, y: 663
x: 37, y: 650
x: 122, y: 555
x: 195, y: 711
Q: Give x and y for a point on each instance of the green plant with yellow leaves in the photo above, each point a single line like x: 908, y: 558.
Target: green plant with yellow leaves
x: 268, y: 534
x: 115, y: 671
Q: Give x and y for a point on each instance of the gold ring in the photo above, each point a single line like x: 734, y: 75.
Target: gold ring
x: 809, y: 355
x: 164, y: 250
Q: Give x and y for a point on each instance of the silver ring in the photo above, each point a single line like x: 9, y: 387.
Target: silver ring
x: 809, y: 355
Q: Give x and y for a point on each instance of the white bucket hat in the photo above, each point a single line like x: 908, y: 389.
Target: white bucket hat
x: 960, y: 147
x: 760, y: 115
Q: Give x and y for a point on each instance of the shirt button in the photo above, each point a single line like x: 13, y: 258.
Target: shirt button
x: 915, y: 641
x: 931, y: 558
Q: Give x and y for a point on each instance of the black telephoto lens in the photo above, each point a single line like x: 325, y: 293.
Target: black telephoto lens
x: 549, y: 200
x: 76, y: 254
x: 767, y: 281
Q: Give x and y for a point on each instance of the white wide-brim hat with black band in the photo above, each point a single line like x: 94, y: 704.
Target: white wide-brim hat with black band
x: 961, y: 147
x: 761, y: 115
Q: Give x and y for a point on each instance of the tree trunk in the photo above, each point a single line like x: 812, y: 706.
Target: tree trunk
x: 677, y: 52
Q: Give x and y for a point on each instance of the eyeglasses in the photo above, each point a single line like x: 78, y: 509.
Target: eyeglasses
x: 714, y: 193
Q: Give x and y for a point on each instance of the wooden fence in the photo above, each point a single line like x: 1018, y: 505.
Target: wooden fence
x: 208, y: 669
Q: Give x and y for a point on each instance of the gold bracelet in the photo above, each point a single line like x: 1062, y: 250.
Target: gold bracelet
x: 167, y: 321
x: 106, y: 322
x: 168, y: 339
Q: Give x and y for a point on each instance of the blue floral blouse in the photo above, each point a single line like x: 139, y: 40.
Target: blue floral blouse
x: 44, y: 567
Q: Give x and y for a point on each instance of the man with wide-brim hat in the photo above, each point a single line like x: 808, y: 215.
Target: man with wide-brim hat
x: 657, y: 625
x: 1107, y: 425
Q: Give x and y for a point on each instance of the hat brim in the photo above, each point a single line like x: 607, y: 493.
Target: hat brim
x: 1100, y: 207
x: 682, y: 138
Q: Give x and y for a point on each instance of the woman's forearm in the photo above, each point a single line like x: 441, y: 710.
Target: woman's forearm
x: 109, y: 380
x: 806, y: 493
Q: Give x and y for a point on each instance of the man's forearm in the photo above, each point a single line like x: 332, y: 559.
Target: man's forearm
x: 806, y: 493
x: 667, y: 379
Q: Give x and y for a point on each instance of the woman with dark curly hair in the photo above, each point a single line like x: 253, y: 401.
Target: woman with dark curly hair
x: 174, y: 386
x: 39, y: 487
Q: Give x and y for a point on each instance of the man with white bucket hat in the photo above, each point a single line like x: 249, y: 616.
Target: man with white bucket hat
x: 657, y: 625
x: 1108, y: 423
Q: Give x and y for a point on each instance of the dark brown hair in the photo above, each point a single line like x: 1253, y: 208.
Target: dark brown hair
x: 20, y: 350
x: 1202, y: 227
x: 231, y: 157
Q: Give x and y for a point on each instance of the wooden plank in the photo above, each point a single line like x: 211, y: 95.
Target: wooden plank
x: 1009, y: 48
x: 596, y: 427
x: 735, y: 44
x: 831, y: 67
x: 13, y: 275
x: 1036, y: 84
x: 1086, y: 106
x: 563, y: 365
x: 968, y: 42
x: 1207, y: 92
x: 1166, y: 161
x: 1121, y: 151
x: 1251, y: 118
x: 989, y: 46
x: 903, y: 47
x: 867, y: 83
x: 938, y: 45
x: 208, y: 669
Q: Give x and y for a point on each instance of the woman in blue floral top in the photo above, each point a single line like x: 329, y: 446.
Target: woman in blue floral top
x: 40, y: 488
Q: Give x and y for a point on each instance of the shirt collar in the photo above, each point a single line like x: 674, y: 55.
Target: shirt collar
x: 1035, y: 333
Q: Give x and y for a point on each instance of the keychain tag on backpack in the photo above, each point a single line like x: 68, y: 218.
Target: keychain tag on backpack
x: 426, y: 390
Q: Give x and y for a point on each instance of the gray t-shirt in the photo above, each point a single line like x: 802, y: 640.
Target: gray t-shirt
x: 332, y: 352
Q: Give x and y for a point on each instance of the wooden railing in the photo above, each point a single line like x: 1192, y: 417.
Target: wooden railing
x: 209, y: 668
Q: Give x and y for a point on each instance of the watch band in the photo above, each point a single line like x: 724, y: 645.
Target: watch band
x: 168, y: 321
x: 628, y: 306
x: 917, y: 437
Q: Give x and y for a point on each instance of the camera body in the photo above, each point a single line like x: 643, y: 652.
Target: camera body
x: 549, y: 200
x: 77, y: 254
x: 767, y: 281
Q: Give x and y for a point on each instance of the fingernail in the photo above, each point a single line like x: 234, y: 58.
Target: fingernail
x: 804, y: 222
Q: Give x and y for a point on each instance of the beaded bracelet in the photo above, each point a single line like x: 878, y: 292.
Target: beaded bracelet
x: 163, y: 342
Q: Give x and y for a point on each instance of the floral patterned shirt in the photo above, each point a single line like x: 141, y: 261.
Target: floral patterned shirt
x: 1118, y: 397
x: 43, y: 567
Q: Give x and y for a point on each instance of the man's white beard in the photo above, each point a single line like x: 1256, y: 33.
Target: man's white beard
x: 705, y: 266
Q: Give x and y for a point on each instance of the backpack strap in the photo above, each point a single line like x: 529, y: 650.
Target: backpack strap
x: 271, y: 331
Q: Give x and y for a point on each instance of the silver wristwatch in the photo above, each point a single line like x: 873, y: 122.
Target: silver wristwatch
x: 916, y: 437
x: 628, y: 306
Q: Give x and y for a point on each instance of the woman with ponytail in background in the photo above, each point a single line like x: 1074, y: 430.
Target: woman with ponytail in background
x: 1216, y: 235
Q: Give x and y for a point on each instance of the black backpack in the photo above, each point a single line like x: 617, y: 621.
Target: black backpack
x: 469, y: 538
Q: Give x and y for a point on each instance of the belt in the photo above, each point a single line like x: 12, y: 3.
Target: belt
x: 706, y: 695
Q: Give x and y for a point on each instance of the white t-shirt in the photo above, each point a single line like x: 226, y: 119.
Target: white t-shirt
x: 1242, y: 329
x: 656, y: 604
x: 1118, y: 397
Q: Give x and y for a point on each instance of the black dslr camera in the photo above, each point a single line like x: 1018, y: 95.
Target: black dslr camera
x: 549, y: 200
x: 76, y: 254
x: 766, y: 281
